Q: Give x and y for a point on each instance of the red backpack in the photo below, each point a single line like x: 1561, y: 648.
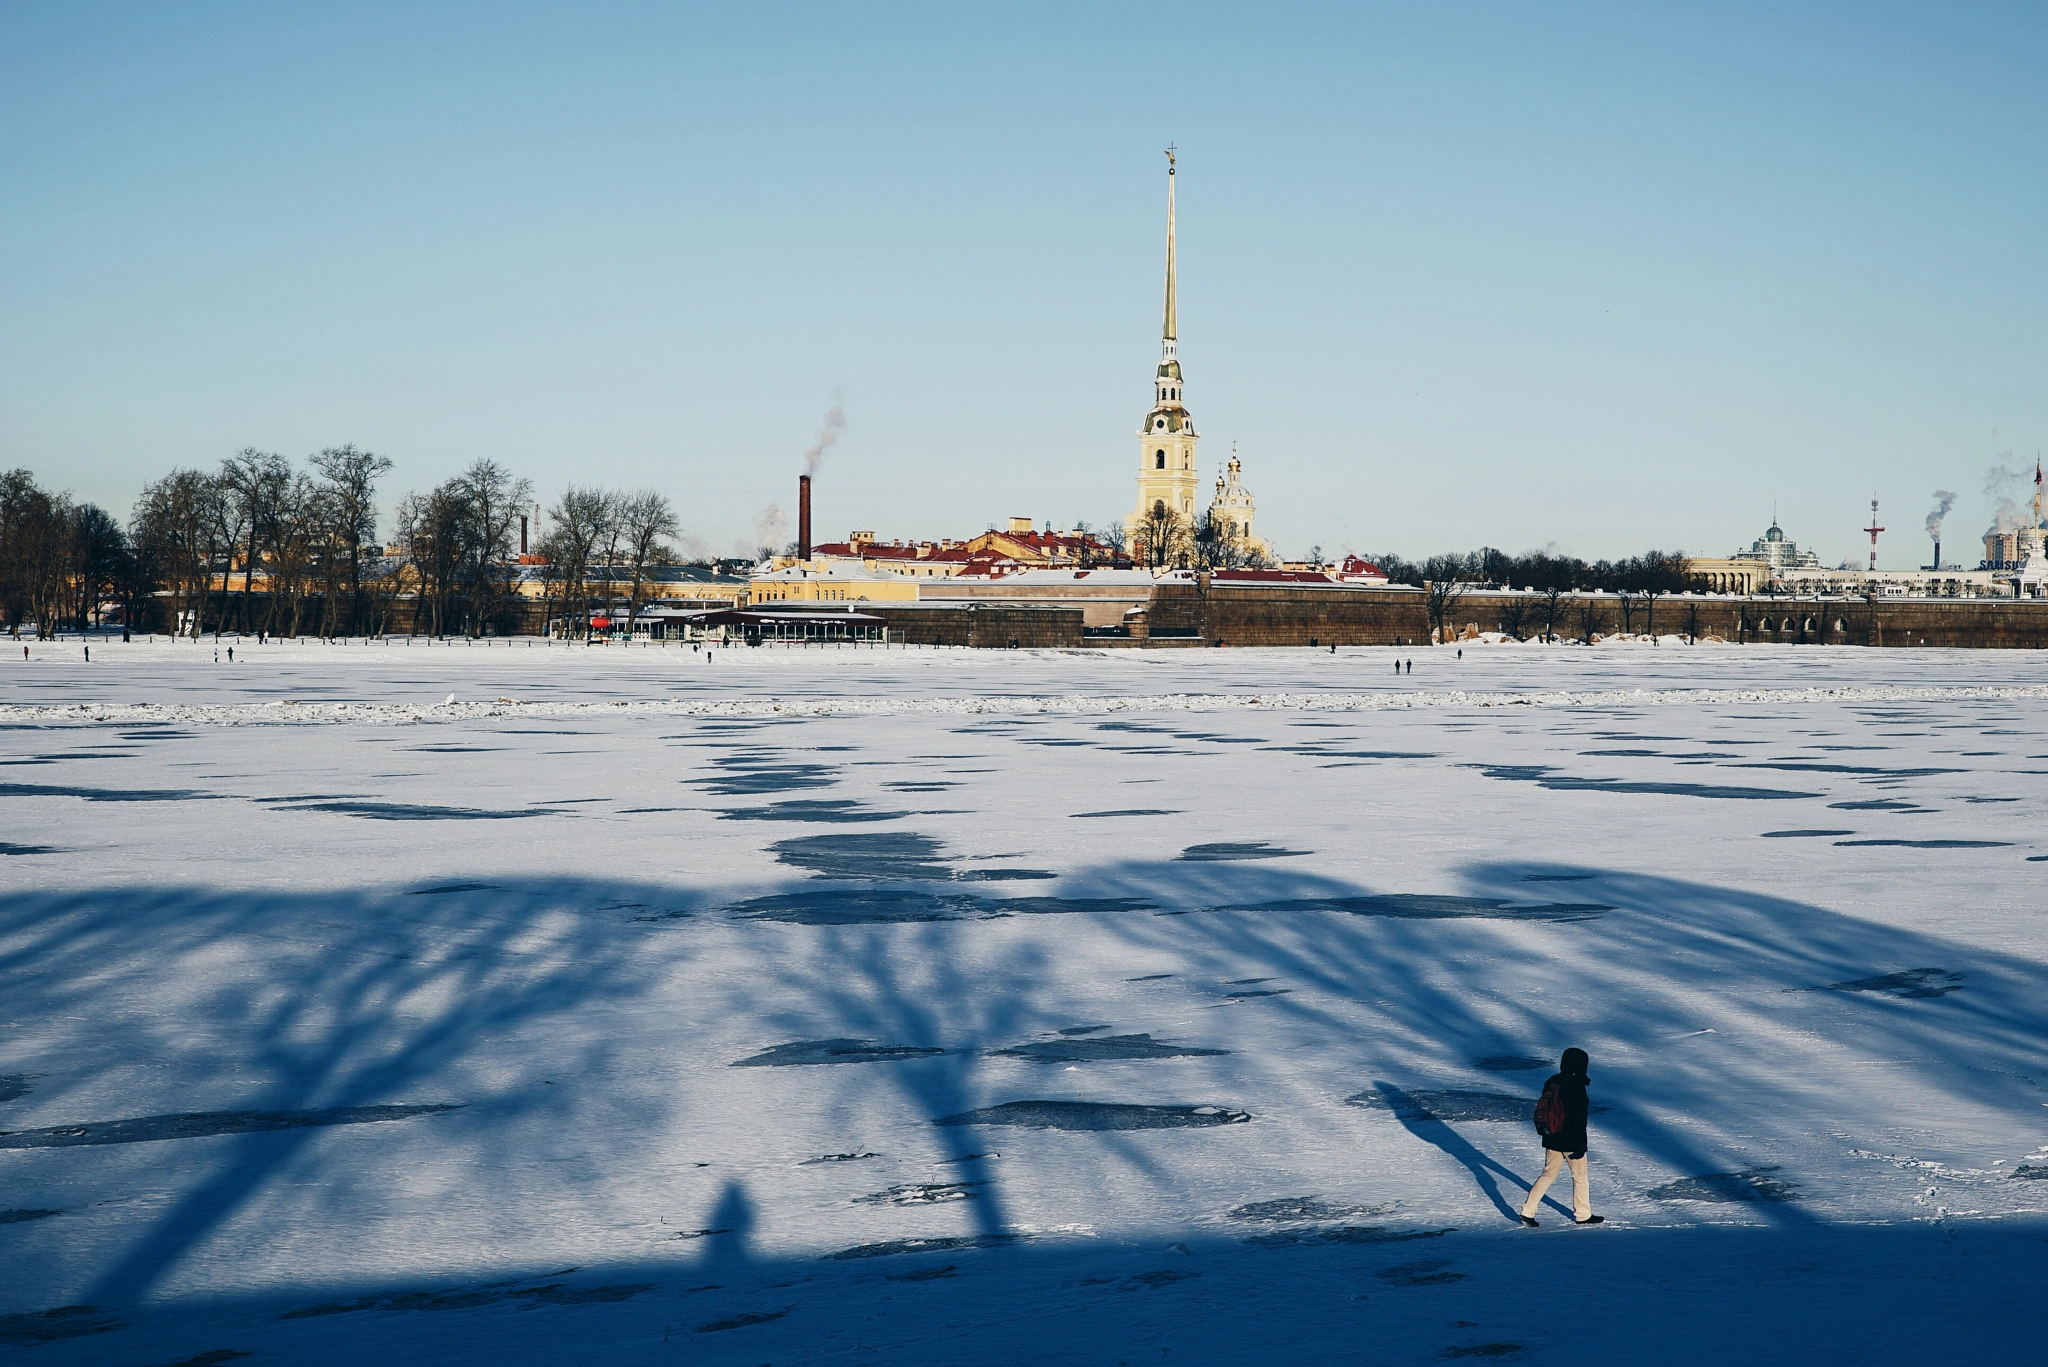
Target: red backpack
x: 1550, y: 1113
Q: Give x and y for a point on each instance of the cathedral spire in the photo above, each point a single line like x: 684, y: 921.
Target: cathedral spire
x: 1172, y: 327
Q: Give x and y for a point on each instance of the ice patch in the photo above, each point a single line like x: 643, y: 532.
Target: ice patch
x: 1097, y: 1115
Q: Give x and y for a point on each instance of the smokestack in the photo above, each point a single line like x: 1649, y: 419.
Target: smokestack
x: 1937, y: 554
x: 803, y: 517
x: 522, y: 535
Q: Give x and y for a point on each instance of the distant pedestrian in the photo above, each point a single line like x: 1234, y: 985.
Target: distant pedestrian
x: 231, y: 654
x: 1461, y: 652
x: 88, y: 654
x: 1561, y: 1123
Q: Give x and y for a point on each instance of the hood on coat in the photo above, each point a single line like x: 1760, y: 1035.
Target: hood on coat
x: 1574, y: 1063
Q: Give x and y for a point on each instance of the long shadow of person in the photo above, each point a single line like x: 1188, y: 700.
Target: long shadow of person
x: 1418, y: 1121
x: 725, y: 1237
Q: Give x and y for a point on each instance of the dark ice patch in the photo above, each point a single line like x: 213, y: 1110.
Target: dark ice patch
x: 554, y: 1293
x: 13, y: 1085
x: 1256, y: 849
x: 1129, y: 811
x: 1933, y: 844
x: 452, y: 887
x: 1877, y: 804
x: 877, y: 855
x: 1871, y: 770
x: 1912, y: 983
x: 454, y: 749
x: 1546, y: 777
x: 1509, y: 1063
x: 1005, y: 875
x: 7, y: 848
x: 920, y: 1194
x: 1300, y: 1210
x: 924, y: 1274
x: 750, y: 775
x: 53, y: 1326
x: 201, y: 1124
x: 403, y: 811
x: 1747, y: 1184
x: 837, y: 1158
x: 856, y: 908
x: 841, y: 908
x: 1075, y: 1050
x: 895, y: 1246
x: 1452, y: 1107
x: 2026, y: 1173
x: 1801, y: 835
x: 1072, y: 1030
x: 1556, y: 877
x: 1097, y: 1115
x: 741, y: 1321
x: 801, y: 1052
x: 105, y: 794
x: 1316, y: 1236
x: 1428, y: 1272
x: 16, y: 1217
x: 818, y: 810
x: 1429, y: 907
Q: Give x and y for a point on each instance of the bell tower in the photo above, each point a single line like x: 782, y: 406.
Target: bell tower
x: 1167, y: 482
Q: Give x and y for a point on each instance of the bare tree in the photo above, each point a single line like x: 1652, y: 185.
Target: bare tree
x: 490, y: 499
x: 351, y: 484
x: 1165, y: 540
x: 1514, y: 613
x: 250, y: 483
x: 175, y: 525
x: 647, y: 524
x: 1589, y: 618
x: 96, y: 551
x: 577, y: 524
x: 34, y: 554
x: 1443, y: 597
x: 1553, y: 599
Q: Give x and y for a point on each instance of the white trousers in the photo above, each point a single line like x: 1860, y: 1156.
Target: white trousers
x: 1582, y: 1199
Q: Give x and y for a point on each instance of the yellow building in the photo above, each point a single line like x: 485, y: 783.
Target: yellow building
x: 830, y: 581
x: 1167, y: 481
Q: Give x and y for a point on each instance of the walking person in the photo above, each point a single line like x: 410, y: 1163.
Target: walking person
x: 1561, y: 1122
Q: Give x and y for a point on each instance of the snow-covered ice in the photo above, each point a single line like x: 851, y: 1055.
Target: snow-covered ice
x: 783, y: 1005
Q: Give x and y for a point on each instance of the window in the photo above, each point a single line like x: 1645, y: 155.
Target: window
x: 1159, y: 460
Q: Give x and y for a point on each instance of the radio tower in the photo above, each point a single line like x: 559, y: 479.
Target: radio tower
x: 1873, y: 529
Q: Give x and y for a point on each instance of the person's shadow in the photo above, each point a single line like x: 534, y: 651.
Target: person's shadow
x: 1415, y: 1117
x: 725, y: 1237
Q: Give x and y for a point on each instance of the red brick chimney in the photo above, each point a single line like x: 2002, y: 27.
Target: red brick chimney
x: 803, y: 517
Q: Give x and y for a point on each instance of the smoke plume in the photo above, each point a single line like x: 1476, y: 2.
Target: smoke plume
x: 770, y: 529
x: 828, y: 436
x: 2002, y: 486
x: 1944, y: 499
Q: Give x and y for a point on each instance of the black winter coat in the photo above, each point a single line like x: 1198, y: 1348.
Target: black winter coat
x: 1571, y: 1140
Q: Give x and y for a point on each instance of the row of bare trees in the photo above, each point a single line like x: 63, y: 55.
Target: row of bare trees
x: 597, y: 538
x: 1167, y: 540
x: 59, y: 560
x: 309, y: 532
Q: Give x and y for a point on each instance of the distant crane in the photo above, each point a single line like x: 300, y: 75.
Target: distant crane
x: 1873, y: 529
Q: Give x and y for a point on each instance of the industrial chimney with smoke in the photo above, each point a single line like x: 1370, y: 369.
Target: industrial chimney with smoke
x: 803, y: 517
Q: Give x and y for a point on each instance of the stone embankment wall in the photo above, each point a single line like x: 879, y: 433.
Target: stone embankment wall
x: 1979, y: 623
x: 1261, y: 615
x: 991, y: 626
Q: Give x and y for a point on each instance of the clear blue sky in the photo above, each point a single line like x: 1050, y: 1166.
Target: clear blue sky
x: 1451, y: 275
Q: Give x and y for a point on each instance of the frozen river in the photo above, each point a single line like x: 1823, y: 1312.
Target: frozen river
x: 937, y: 1006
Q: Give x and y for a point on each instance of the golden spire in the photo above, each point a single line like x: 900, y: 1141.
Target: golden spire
x: 1171, y: 328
